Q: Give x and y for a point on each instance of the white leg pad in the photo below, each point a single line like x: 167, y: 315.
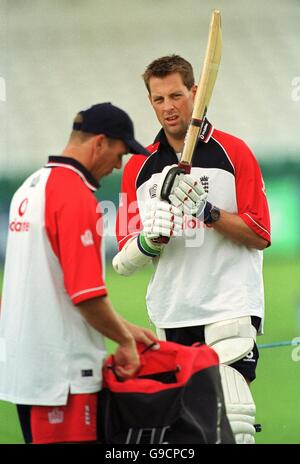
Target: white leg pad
x: 161, y: 334
x: 240, y: 407
x: 231, y: 339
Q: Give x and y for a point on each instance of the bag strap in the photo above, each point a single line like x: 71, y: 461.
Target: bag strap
x: 112, y: 368
x: 148, y: 348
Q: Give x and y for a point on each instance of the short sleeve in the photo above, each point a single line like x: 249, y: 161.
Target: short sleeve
x: 251, y: 193
x: 73, y: 225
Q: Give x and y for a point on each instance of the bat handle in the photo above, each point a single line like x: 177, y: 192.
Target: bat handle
x: 169, y: 181
x: 186, y: 167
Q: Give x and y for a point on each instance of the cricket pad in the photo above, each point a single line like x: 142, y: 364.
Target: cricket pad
x: 175, y: 397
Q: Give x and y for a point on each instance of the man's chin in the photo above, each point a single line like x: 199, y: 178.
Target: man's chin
x: 175, y: 132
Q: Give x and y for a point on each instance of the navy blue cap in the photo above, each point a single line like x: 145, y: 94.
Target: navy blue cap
x: 107, y: 119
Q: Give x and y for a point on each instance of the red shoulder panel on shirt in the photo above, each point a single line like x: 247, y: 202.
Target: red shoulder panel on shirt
x: 250, y: 188
x: 72, y: 222
x: 128, y: 222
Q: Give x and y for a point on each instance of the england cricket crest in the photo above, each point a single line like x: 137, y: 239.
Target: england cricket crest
x: 205, y: 183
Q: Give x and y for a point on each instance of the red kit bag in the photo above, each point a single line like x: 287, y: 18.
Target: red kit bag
x: 175, y: 397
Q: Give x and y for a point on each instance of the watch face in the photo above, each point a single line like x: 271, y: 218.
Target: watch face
x: 215, y: 214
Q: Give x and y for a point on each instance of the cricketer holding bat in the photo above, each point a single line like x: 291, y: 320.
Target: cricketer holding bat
x: 55, y: 309
x: 207, y: 285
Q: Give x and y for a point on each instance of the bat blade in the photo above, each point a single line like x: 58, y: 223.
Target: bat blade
x: 205, y: 88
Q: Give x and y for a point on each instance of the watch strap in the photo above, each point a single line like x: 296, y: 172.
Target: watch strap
x: 207, y: 216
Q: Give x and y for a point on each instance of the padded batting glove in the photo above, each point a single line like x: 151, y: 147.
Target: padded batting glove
x: 161, y: 220
x: 187, y: 193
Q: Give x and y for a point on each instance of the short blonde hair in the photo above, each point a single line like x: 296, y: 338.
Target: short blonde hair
x: 170, y: 64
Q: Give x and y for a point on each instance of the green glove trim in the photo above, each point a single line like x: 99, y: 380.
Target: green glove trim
x: 147, y: 247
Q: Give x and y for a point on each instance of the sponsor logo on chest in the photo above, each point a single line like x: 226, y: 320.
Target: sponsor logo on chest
x: 19, y: 224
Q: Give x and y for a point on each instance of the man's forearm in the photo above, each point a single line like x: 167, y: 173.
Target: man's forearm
x: 100, y: 314
x: 234, y: 228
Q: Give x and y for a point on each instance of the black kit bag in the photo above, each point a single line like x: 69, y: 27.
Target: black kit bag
x: 175, y: 397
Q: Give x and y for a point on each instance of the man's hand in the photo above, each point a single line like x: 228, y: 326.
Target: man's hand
x: 99, y: 313
x: 188, y: 194
x: 162, y: 219
x: 142, y: 335
x: 126, y: 360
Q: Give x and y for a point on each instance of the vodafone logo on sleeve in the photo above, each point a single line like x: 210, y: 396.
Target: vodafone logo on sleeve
x: 18, y: 225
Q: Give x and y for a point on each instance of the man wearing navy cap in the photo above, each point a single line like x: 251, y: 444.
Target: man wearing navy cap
x: 55, y: 309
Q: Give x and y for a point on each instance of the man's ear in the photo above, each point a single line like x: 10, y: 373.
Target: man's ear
x: 194, y: 90
x: 98, y: 140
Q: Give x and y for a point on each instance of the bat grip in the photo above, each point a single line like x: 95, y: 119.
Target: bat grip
x: 169, y: 182
x: 185, y: 167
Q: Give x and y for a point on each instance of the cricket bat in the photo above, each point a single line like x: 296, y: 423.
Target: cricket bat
x: 205, y: 88
x: 203, y: 95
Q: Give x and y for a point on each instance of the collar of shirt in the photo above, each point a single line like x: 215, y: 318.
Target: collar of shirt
x: 76, y: 166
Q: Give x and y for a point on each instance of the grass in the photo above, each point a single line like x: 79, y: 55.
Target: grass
x: 278, y: 376
x: 10, y: 432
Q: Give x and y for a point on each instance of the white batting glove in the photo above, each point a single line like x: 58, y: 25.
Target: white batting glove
x: 162, y: 219
x: 188, y: 193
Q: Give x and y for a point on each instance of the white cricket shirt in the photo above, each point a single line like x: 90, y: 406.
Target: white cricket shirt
x: 53, y: 262
x: 201, y: 277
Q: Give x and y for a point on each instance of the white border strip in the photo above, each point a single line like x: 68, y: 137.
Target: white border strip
x: 133, y: 235
x: 212, y: 128
x: 87, y: 291
x: 258, y: 225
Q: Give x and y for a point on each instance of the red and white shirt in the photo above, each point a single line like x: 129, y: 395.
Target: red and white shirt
x: 53, y: 261
x: 201, y: 277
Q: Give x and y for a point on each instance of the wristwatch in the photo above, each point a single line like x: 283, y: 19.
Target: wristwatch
x: 211, y: 214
